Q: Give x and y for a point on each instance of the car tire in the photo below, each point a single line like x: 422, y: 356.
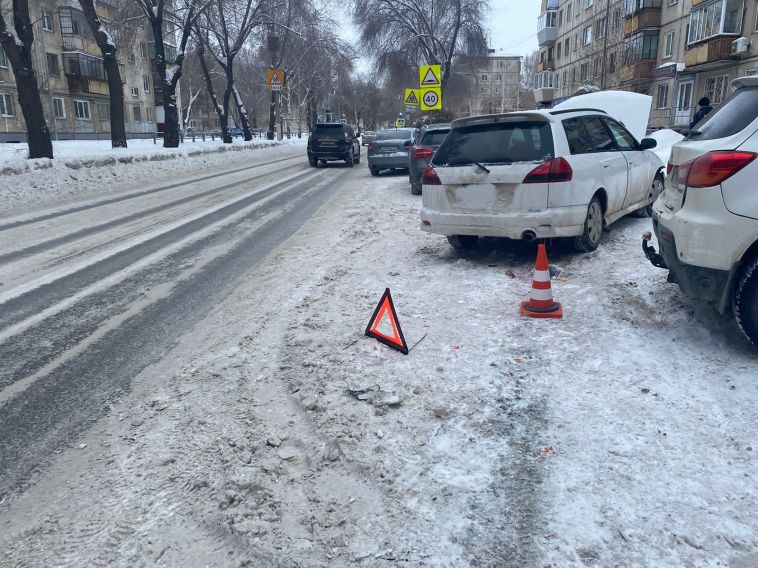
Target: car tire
x: 462, y: 242
x: 592, y: 230
x: 656, y: 188
x: 322, y: 162
x: 313, y: 162
x: 374, y: 172
x: 745, y: 302
x: 350, y: 159
x: 415, y: 189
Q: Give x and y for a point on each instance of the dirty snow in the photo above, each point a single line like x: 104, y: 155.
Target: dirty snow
x: 624, y: 434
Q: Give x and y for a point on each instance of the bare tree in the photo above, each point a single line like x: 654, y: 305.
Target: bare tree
x: 17, y: 41
x: 110, y: 63
x: 529, y: 70
x: 182, y: 18
x: 401, y: 34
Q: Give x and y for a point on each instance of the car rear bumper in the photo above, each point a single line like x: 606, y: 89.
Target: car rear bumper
x: 328, y: 154
x: 397, y: 160
x: 416, y: 169
x: 549, y: 223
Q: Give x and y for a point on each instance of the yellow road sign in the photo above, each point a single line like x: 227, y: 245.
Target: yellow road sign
x: 430, y: 76
x: 411, y: 97
x: 276, y: 79
x: 400, y: 123
x: 431, y: 99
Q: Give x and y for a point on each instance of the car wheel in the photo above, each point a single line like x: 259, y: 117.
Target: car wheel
x: 350, y: 160
x: 313, y: 162
x: 415, y: 189
x: 374, y: 171
x: 593, y: 227
x: 462, y: 242
x: 655, y: 190
x: 745, y: 303
x: 322, y: 162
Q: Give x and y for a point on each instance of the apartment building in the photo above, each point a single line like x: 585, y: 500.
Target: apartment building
x: 72, y: 79
x: 497, y: 81
x: 674, y: 50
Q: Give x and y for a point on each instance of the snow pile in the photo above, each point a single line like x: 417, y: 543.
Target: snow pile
x: 77, y: 154
x: 666, y: 138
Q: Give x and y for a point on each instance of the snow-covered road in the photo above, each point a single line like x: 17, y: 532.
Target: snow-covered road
x: 218, y: 430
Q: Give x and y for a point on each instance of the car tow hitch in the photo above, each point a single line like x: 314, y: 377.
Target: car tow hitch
x: 654, y: 258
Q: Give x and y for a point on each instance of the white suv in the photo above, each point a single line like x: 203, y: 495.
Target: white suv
x: 706, y: 220
x: 538, y: 174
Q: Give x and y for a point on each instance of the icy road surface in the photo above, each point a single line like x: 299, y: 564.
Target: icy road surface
x: 175, y: 365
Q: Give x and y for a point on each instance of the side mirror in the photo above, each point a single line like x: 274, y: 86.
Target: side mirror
x: 648, y: 143
x: 408, y: 143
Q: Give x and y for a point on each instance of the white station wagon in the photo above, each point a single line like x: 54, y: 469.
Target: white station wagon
x: 536, y: 175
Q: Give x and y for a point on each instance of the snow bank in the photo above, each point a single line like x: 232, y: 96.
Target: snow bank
x: 666, y: 139
x: 77, y: 154
x: 631, y: 109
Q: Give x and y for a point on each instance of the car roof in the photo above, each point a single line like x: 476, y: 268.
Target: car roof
x: 330, y: 124
x: 742, y: 82
x: 435, y: 126
x: 540, y: 115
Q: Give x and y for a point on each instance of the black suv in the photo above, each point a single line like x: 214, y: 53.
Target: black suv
x: 333, y: 141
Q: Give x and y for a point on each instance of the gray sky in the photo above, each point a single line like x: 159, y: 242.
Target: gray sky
x: 512, y: 25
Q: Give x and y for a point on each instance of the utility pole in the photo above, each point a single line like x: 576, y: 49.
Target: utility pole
x: 605, y: 43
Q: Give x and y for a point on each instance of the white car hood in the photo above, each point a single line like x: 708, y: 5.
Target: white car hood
x: 631, y: 109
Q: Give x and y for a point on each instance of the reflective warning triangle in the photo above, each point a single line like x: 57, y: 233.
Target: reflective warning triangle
x: 412, y: 99
x: 430, y: 79
x: 383, y: 314
x: 275, y: 80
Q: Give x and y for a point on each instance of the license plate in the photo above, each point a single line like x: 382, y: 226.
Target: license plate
x: 388, y: 149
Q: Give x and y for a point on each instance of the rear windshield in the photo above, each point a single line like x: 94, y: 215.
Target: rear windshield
x: 398, y: 134
x: 434, y: 137
x: 501, y: 143
x: 734, y: 114
x: 329, y: 128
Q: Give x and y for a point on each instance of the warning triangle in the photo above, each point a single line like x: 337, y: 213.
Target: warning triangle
x: 430, y: 78
x: 384, y: 325
x: 412, y: 99
x: 275, y: 79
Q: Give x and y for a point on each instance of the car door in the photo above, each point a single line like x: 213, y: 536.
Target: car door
x: 640, y: 166
x: 596, y: 162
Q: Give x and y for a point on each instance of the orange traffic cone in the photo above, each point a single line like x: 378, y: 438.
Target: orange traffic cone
x: 540, y: 303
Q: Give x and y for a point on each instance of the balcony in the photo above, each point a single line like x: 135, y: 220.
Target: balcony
x: 549, y: 5
x: 545, y: 66
x: 168, y: 49
x: 717, y: 49
x: 547, y: 26
x: 78, y: 84
x: 633, y: 7
x: 639, y: 72
x: 545, y: 87
x: 643, y: 19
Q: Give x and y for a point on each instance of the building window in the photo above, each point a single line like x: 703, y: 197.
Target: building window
x: 584, y: 72
x: 601, y: 25
x: 716, y: 88
x: 752, y: 72
x: 47, y: 20
x: 578, y: 7
x: 616, y: 19
x: 669, y: 52
x: 573, y: 75
x: 484, y: 90
x: 558, y: 52
x: 143, y: 50
x: 497, y: 90
x: 588, y: 35
x: 135, y: 92
x: 576, y: 42
x: 3, y: 59
x: 59, y: 107
x: 589, y: 3
x: 640, y: 47
x: 663, y: 96
x: 560, y: 18
x: 596, y: 66
x: 104, y: 111
x: 130, y: 57
x: 6, y: 104
x: 82, y: 110
x: 146, y: 83
x: 564, y: 81
x: 136, y: 114
x: 149, y: 114
x: 53, y: 64
x: 499, y: 77
x: 484, y: 77
x: 612, y: 63
x: 715, y: 18
x: 499, y: 64
x: 567, y: 46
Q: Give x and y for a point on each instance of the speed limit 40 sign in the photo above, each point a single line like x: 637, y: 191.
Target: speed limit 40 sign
x: 431, y: 99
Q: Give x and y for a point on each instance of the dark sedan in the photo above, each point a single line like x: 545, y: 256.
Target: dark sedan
x: 429, y: 140
x: 391, y: 150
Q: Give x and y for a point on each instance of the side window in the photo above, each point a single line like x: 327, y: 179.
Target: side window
x: 624, y: 140
x: 587, y: 135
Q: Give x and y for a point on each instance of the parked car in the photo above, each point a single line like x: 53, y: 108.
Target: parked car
x: 537, y: 175
x: 390, y: 150
x: 235, y: 131
x: 706, y: 220
x: 367, y: 137
x: 332, y: 141
x: 429, y: 139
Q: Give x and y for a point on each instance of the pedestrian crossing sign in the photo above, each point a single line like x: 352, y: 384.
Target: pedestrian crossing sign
x: 276, y: 79
x: 411, y: 97
x: 430, y: 76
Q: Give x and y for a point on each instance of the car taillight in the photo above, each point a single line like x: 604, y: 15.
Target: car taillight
x: 430, y: 177
x: 553, y: 171
x: 713, y: 168
x: 422, y: 153
x: 669, y: 167
x: 370, y: 147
